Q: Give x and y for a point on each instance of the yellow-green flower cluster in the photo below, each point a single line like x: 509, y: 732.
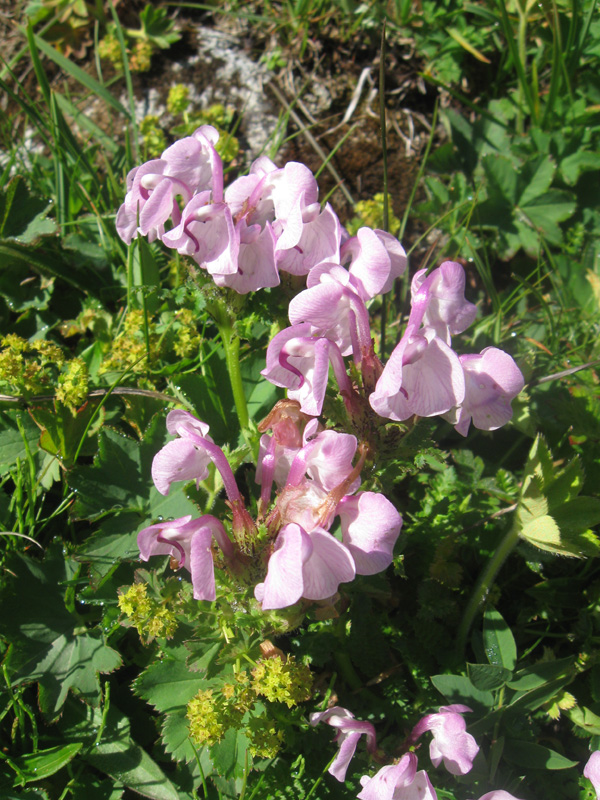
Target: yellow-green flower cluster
x: 153, y: 136
x: 369, y: 213
x: 283, y: 680
x: 187, y: 339
x: 140, y: 56
x: 152, y: 619
x: 206, y: 718
x: 29, y: 368
x: 128, y: 350
x: 178, y: 99
x: 73, y: 384
x: 265, y: 740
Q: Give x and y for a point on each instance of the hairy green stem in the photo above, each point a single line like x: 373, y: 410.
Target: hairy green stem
x: 484, y: 583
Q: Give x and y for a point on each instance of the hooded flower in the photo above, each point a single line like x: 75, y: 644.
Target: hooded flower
x: 399, y: 781
x: 188, y: 542
x: 448, y: 311
x: 492, y: 380
x: 370, y: 527
x: 423, y: 377
x: 451, y: 742
x: 304, y: 565
x: 376, y: 259
x: 349, y: 731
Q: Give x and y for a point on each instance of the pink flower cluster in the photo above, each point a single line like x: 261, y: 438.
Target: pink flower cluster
x: 401, y: 781
x: 266, y: 221
x: 317, y: 482
x: 424, y: 377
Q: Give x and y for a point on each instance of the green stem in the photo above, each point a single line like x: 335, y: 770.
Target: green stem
x: 484, y: 583
x: 231, y: 344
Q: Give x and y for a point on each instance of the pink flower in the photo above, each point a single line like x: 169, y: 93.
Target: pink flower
x: 376, y: 259
x: 592, y: 772
x: 298, y: 361
x: 304, y: 565
x: 349, y: 731
x: 334, y: 309
x: 423, y: 376
x: 451, y: 742
x: 399, y: 781
x: 319, y: 241
x: 492, y: 380
x: 188, y: 167
x: 188, y: 542
x: 370, y: 527
x: 448, y: 312
x: 498, y: 794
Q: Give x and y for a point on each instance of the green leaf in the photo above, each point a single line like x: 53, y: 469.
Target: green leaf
x: 572, y: 166
x: 535, y: 756
x: 230, y: 756
x: 586, y: 719
x: 50, y: 644
x: 566, y: 485
x: 498, y: 641
x: 545, y: 533
x: 67, y: 66
x: 532, y: 700
x: 169, y: 685
x: 23, y: 216
x: 120, y: 478
x: 459, y: 689
x: 488, y: 677
x: 537, y: 176
x: 126, y: 762
x: 578, y: 515
x: 539, y: 674
x: 44, y: 763
x: 12, y: 446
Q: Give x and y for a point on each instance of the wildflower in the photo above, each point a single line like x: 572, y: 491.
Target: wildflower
x: 447, y: 310
x: 73, y: 384
x: 207, y: 724
x: 265, y: 739
x: 399, y: 781
x: 349, y: 731
x: 492, y: 380
x: 590, y: 771
x: 309, y: 565
x: 334, y: 310
x: 300, y: 363
x: 423, y: 376
x: 376, y: 259
x: 283, y: 680
x: 182, y: 459
x: 451, y: 742
x: 498, y: 794
x: 188, y: 542
x: 370, y: 527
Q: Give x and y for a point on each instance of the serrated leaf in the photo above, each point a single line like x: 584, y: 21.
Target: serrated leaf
x: 578, y: 515
x: 169, y: 685
x: 488, y: 677
x: 50, y: 644
x: 539, y: 461
x: 545, y: 533
x: 120, y: 478
x: 566, y: 485
x: 574, y: 165
x: 12, y: 446
x: 535, y: 756
x: 176, y: 739
x: 44, y: 763
x: 459, y: 689
x: 536, y: 175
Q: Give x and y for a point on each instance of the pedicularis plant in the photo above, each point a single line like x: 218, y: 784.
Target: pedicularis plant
x: 283, y: 555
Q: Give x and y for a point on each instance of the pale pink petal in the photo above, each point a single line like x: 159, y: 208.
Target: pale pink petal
x: 328, y: 565
x: 498, y: 794
x: 178, y: 460
x: 370, y: 527
x: 202, y: 566
x: 284, y: 583
x: 391, y: 780
x: 592, y: 771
